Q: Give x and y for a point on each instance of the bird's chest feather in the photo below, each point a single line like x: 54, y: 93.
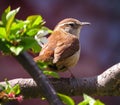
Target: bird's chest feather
x: 70, y: 61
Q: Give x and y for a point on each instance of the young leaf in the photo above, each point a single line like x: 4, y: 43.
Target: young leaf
x: 13, y: 32
x: 9, y: 18
x: 34, y: 20
x: 8, y: 87
x: 29, y: 42
x: 16, y: 89
x: 32, y: 32
x: 18, y: 27
x: 4, y: 21
x: 2, y: 33
x: 42, y: 65
x: 35, y: 47
x: 3, y: 46
x: 98, y: 102
x: 51, y: 73
x: 66, y: 99
x: 90, y: 101
x: 16, y: 50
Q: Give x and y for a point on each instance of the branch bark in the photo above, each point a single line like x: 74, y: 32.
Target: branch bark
x: 41, y: 80
x: 105, y: 84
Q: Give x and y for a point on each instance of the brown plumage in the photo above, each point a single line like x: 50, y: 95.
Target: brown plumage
x: 62, y: 49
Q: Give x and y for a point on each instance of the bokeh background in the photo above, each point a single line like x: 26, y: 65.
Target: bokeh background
x: 100, y: 42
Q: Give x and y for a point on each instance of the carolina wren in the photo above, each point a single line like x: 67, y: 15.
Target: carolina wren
x: 62, y: 50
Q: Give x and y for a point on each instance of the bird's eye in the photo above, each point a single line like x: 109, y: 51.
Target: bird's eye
x: 72, y: 24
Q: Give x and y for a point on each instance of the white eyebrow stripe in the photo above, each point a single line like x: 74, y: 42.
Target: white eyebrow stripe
x: 65, y: 23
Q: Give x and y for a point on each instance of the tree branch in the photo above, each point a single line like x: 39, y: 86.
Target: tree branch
x: 41, y: 80
x: 105, y: 84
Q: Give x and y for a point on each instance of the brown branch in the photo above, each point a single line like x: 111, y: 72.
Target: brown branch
x: 41, y: 80
x: 105, y: 84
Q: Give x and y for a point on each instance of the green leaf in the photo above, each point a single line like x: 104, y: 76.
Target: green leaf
x: 19, y: 26
x: 2, y: 33
x: 8, y: 87
x: 42, y: 65
x: 35, y: 47
x: 11, y: 14
x: 16, y: 49
x: 84, y: 103
x: 16, y: 28
x: 4, y: 46
x: 9, y: 18
x: 98, y: 102
x: 34, y: 20
x: 4, y: 15
x: 43, y: 32
x: 16, y: 89
x: 1, y: 24
x: 90, y: 101
x: 29, y: 42
x: 13, y: 32
x: 46, y: 30
x: 2, y: 88
x: 51, y: 73
x: 66, y: 99
x: 32, y: 32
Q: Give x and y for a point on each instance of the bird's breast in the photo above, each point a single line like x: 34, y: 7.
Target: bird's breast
x: 70, y: 61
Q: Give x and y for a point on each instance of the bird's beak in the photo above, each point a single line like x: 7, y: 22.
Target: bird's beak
x: 85, y: 23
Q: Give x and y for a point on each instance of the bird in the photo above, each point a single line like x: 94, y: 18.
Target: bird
x: 62, y: 50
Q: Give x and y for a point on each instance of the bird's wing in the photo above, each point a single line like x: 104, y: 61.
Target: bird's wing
x: 66, y: 48
x: 59, y: 47
x: 46, y: 54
